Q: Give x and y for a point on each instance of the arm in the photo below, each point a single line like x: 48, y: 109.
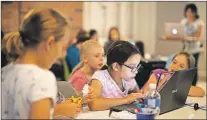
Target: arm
x: 100, y: 103
x: 196, y: 92
x: 152, y: 79
x: 172, y: 38
x: 197, y: 34
x: 41, y: 109
x: 136, y: 90
x: 67, y: 108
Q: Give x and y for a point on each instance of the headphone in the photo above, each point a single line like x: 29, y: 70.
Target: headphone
x: 196, y: 106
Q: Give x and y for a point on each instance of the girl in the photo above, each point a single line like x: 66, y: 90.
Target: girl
x: 114, y: 85
x: 114, y: 35
x: 182, y: 60
x: 92, y: 60
x: 28, y: 88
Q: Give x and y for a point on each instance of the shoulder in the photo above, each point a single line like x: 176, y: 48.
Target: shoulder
x: 159, y: 71
x: 156, y: 73
x: 199, y: 22
x: 37, y: 74
x: 78, y: 74
x: 101, y: 75
x: 72, y: 48
x: 42, y: 76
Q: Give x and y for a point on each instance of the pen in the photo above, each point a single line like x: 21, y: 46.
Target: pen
x: 110, y: 112
x: 115, y: 110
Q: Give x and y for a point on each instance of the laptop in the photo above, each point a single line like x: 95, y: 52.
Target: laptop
x: 66, y: 89
x: 173, y: 94
x: 176, y: 90
x: 174, y: 29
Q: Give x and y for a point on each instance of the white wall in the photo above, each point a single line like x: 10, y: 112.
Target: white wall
x: 173, y: 12
x: 135, y: 20
x: 202, y: 60
x: 145, y: 22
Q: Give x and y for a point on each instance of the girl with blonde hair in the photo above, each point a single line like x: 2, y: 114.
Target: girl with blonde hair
x: 92, y: 54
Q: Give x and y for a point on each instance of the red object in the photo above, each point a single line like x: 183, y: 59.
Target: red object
x: 138, y: 110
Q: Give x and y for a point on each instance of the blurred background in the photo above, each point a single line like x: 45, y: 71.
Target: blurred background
x: 136, y: 21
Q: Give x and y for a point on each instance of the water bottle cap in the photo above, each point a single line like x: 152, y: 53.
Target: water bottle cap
x: 152, y: 86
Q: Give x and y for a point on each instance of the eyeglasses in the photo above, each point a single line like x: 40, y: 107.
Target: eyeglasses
x: 133, y: 69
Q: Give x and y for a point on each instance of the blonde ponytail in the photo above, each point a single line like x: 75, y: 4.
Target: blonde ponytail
x: 79, y: 66
x: 13, y: 46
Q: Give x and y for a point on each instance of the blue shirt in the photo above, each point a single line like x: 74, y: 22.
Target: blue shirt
x: 72, y: 57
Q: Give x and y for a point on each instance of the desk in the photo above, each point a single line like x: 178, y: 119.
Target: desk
x: 182, y: 113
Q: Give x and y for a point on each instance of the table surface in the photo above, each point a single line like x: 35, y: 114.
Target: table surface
x: 185, y: 112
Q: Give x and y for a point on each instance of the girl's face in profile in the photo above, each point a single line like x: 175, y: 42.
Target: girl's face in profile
x: 94, y: 57
x: 130, y: 68
x: 178, y: 63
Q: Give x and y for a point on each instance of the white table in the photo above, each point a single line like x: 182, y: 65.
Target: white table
x: 182, y: 113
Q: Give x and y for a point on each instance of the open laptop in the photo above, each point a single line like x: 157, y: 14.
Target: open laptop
x: 66, y: 89
x: 174, y: 29
x: 175, y: 91
x: 173, y: 94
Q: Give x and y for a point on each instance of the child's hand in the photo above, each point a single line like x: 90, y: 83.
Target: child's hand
x: 90, y: 95
x: 140, y: 91
x: 133, y: 96
x: 69, y: 109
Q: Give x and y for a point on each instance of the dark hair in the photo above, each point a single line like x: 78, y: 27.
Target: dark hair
x: 38, y: 24
x: 2, y: 35
x: 82, y: 39
x: 81, y: 33
x: 113, y: 28
x: 140, y: 45
x: 189, y: 57
x: 193, y: 9
x: 92, y: 32
x: 120, y: 51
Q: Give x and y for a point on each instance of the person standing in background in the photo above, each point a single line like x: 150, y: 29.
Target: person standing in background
x: 193, y: 30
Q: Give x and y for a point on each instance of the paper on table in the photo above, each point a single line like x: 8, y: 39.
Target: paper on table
x: 123, y: 115
x: 94, y: 115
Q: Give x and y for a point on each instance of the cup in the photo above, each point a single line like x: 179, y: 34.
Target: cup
x: 147, y: 113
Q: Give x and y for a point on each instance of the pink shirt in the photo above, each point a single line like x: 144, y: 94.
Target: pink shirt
x: 109, y: 88
x: 78, y: 80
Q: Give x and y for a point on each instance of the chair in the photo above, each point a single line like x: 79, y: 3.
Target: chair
x: 145, y: 72
x: 66, y: 69
x: 140, y: 45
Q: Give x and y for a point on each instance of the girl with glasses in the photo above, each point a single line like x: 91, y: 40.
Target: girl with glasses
x: 116, y: 85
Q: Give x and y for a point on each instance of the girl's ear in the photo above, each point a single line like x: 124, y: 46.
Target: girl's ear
x: 49, y: 42
x: 115, y: 66
x: 85, y: 59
